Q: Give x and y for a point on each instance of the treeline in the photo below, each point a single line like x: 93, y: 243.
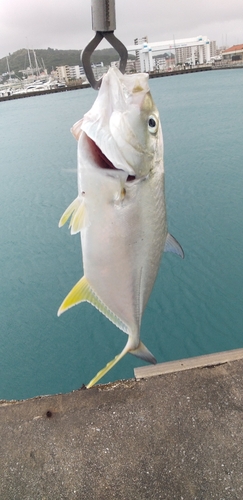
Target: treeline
x: 51, y: 58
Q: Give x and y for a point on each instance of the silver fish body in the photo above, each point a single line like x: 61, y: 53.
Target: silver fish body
x: 120, y: 209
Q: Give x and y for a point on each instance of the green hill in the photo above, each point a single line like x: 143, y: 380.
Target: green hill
x: 51, y: 58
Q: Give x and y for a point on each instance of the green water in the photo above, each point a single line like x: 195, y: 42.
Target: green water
x: 196, y: 306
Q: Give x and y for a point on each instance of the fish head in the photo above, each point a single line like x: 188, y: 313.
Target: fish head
x: 123, y: 126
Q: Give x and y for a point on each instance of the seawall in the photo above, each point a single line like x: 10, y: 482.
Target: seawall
x: 197, y: 69
x: 173, y: 436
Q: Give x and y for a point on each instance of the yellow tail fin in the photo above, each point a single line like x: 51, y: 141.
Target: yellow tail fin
x: 141, y: 351
x: 109, y: 365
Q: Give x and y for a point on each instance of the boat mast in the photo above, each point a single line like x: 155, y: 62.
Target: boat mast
x: 36, y: 64
x: 43, y: 65
x: 9, y: 74
x: 31, y: 69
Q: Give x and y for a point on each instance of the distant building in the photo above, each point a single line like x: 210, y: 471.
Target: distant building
x: 185, y: 54
x: 82, y: 72
x: 164, y: 61
x: 139, y: 41
x: 234, y: 53
x: 220, y: 50
x: 115, y: 64
x: 67, y: 73
x: 182, y: 54
x: 75, y: 73
x: 63, y: 73
x: 130, y: 66
x: 160, y: 63
x: 213, y: 49
x: 99, y: 70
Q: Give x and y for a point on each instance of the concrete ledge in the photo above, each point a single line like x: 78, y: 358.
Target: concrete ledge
x: 217, y: 358
x: 176, y: 437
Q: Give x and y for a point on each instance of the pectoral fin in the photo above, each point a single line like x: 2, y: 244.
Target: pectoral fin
x: 79, y: 219
x: 76, y: 129
x: 76, y: 210
x: 82, y: 292
x: 172, y: 245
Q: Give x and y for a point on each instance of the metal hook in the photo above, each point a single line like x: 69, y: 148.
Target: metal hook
x: 103, y: 22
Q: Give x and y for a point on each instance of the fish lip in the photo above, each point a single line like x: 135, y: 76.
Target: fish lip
x: 102, y: 161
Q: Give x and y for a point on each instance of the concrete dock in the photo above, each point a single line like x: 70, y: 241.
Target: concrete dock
x: 173, y: 436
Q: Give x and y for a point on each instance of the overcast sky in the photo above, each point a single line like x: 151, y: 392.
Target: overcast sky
x: 66, y: 24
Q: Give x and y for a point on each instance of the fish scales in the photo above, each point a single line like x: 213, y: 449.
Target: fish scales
x: 120, y: 210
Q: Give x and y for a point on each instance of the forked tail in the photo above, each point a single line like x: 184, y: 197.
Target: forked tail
x: 141, y: 352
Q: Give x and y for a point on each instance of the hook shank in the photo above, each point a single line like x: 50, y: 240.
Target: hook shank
x: 103, y: 15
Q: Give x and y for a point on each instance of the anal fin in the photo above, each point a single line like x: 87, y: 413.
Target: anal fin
x: 82, y: 292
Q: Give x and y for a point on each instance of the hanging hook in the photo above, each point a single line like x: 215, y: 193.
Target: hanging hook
x: 104, y: 24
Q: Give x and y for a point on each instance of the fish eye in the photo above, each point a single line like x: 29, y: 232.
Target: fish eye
x: 152, y: 124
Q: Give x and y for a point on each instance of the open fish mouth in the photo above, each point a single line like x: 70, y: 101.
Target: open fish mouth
x: 101, y: 160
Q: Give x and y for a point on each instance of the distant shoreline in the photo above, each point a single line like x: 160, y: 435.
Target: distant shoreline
x: 87, y: 85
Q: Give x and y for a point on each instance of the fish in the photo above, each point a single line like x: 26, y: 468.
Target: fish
x: 120, y: 210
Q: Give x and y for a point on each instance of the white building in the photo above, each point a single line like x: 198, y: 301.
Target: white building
x: 63, y: 73
x: 75, y: 73
x: 190, y: 53
x: 99, y: 70
x: 139, y: 41
x: 182, y: 54
x: 160, y: 63
x: 213, y: 49
x: 197, y: 48
x: 130, y: 66
x: 67, y: 73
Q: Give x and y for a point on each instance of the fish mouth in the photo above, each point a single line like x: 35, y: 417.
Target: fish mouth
x: 101, y: 160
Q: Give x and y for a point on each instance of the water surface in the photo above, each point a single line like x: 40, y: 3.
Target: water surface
x: 196, y: 306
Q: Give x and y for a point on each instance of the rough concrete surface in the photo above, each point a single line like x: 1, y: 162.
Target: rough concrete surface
x: 177, y: 436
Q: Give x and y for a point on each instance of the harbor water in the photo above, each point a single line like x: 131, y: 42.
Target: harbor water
x: 196, y: 306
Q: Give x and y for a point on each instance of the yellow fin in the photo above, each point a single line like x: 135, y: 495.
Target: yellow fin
x: 79, y: 293
x: 82, y: 292
x: 68, y: 212
x: 141, y: 351
x: 78, y: 220
x: 104, y: 370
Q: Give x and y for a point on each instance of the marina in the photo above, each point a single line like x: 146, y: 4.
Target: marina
x: 7, y: 93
